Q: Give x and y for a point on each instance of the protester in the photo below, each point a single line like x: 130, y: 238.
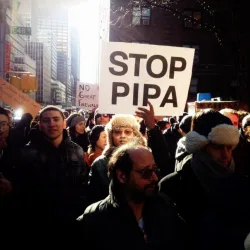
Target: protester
x: 134, y: 215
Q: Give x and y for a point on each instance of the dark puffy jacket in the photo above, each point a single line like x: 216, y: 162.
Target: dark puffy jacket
x: 51, y: 191
x: 98, y: 187
x: 111, y: 224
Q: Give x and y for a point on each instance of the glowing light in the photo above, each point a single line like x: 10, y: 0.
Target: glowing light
x: 18, y: 114
x: 86, y: 18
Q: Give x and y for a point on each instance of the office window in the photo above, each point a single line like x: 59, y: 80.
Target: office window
x: 141, y: 16
x: 197, y: 51
x: 196, y: 16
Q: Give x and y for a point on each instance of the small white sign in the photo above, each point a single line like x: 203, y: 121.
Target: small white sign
x: 87, y: 96
x: 132, y: 74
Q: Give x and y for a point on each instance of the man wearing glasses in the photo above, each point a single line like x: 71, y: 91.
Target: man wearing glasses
x: 120, y: 130
x: 101, y: 119
x: 134, y: 215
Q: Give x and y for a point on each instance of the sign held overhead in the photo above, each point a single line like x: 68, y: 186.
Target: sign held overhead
x: 132, y: 74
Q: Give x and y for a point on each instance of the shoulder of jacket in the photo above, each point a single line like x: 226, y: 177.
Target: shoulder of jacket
x: 100, y: 159
x: 94, y: 208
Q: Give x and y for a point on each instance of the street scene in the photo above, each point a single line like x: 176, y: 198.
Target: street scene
x: 124, y: 124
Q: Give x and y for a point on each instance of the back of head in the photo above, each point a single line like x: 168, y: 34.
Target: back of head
x: 210, y: 126
x: 207, y: 119
x: 185, y: 124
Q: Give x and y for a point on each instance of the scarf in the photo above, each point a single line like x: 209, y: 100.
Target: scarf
x: 208, y: 172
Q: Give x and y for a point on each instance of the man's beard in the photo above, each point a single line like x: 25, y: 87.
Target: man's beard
x: 139, y: 196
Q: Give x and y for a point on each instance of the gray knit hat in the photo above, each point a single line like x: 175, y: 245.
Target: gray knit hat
x: 73, y: 119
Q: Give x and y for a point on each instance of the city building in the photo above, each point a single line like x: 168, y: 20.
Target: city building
x: 41, y: 54
x: 56, y: 20
x: 185, y: 24
x: 12, y: 42
x: 24, y: 63
x: 58, y: 93
x: 75, y: 61
x: 48, y: 38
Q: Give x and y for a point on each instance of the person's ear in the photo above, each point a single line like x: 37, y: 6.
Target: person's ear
x: 121, y: 177
x: 64, y: 124
x: 39, y: 125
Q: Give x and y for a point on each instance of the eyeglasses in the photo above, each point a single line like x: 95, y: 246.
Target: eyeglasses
x: 4, y: 125
x: 127, y: 132
x: 147, y: 173
x: 102, y: 115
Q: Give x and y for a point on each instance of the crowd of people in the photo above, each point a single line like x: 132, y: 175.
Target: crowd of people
x: 103, y: 181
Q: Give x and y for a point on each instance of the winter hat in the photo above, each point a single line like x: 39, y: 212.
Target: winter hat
x: 210, y: 126
x: 73, y: 119
x: 121, y: 121
x: 246, y: 121
x: 185, y: 124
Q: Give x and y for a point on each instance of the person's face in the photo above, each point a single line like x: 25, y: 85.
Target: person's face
x: 80, y: 128
x: 247, y: 133
x: 52, y: 124
x: 4, y: 127
x: 221, y: 154
x: 234, y: 119
x: 122, y: 136
x: 102, y: 141
x: 102, y: 119
x: 143, y: 179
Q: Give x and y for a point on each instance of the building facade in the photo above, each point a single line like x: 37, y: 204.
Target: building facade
x: 55, y: 20
x: 48, y: 38
x: 213, y: 70
x: 75, y: 61
x: 58, y: 93
x: 12, y: 45
x: 41, y: 54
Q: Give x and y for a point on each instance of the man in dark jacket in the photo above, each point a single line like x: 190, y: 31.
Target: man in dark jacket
x: 52, y: 185
x: 134, y: 215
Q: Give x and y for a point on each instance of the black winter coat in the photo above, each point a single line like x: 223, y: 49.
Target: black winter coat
x: 111, y: 224
x: 51, y: 191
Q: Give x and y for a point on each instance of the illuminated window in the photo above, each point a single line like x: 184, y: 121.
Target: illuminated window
x: 141, y: 16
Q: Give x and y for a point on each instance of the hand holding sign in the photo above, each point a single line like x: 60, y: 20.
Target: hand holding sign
x: 147, y: 115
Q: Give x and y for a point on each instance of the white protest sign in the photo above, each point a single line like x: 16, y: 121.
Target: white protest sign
x: 132, y: 74
x: 87, y: 96
x: 15, y: 98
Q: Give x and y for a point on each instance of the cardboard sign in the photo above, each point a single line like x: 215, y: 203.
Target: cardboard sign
x: 132, y: 74
x: 15, y: 98
x: 87, y: 96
